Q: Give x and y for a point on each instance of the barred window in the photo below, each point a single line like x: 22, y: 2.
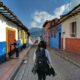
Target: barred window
x: 73, y: 29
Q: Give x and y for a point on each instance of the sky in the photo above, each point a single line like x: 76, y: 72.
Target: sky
x: 33, y: 13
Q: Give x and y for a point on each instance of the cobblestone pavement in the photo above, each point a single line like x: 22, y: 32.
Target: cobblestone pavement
x: 72, y: 57
x: 8, y: 68
x: 64, y: 69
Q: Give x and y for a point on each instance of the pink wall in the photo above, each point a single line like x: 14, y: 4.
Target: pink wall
x: 47, y: 34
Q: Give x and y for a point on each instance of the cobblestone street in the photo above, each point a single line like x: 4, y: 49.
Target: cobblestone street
x: 65, y: 70
x: 36, y: 26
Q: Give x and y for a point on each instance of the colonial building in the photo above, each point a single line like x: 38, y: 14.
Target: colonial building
x: 52, y: 33
x: 11, y: 28
x: 55, y: 34
x: 70, y: 37
x: 46, y: 35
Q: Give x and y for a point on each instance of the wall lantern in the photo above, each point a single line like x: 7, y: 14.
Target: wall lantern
x: 63, y: 32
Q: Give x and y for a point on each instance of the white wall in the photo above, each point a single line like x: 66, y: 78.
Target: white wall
x: 78, y: 26
x: 66, y: 26
x: 3, y: 24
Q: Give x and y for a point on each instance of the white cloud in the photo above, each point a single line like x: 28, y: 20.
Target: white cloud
x: 39, y: 17
x: 74, y: 3
x: 59, y: 11
x: 33, y: 24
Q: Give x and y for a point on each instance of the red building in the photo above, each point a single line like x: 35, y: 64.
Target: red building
x: 49, y: 26
x: 46, y: 27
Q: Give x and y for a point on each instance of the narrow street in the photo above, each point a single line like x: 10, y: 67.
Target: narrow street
x: 64, y: 69
x: 27, y: 24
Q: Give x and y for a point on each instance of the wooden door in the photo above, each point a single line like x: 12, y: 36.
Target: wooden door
x: 10, y: 40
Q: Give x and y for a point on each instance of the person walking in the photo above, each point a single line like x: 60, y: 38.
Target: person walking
x: 42, y: 66
x: 29, y: 41
x: 16, y: 48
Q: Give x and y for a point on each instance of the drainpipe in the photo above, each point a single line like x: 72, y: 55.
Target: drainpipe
x: 64, y: 40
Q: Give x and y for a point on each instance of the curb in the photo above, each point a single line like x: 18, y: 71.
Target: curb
x: 15, y: 71
x: 12, y: 76
x: 69, y: 60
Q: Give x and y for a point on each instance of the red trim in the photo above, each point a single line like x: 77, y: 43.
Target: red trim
x: 61, y: 43
x: 72, y: 45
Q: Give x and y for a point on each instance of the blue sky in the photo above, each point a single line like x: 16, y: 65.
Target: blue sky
x: 33, y: 13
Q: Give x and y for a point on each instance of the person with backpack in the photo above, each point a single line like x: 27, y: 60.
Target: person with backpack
x: 42, y: 61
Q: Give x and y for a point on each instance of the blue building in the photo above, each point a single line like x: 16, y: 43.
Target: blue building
x: 55, y: 40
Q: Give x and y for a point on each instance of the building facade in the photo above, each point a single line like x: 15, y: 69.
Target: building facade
x: 55, y: 40
x: 46, y: 30
x: 70, y: 37
x: 10, y: 29
x: 52, y: 33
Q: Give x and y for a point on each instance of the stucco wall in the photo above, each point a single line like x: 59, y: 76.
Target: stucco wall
x: 71, y: 43
x: 66, y: 26
x: 47, y: 34
x: 3, y: 24
x: 54, y: 41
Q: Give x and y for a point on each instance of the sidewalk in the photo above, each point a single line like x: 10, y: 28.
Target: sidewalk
x: 71, y: 57
x: 8, y: 68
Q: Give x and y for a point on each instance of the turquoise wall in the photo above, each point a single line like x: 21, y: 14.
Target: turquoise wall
x: 2, y: 51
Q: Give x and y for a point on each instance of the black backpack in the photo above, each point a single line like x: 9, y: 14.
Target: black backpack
x: 42, y: 61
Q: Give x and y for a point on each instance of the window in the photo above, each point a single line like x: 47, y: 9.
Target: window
x: 73, y: 29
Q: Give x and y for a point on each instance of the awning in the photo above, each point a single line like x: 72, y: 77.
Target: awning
x: 8, y: 14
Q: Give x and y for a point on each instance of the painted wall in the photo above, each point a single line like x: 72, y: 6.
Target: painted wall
x: 24, y: 37
x: 2, y: 51
x: 54, y: 41
x: 66, y: 26
x: 47, y: 34
x: 4, y: 24
x: 71, y: 43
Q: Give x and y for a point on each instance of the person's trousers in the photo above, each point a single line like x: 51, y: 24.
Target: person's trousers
x: 41, y: 76
x: 17, y: 53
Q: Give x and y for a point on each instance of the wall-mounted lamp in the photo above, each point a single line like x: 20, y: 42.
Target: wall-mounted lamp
x: 63, y: 32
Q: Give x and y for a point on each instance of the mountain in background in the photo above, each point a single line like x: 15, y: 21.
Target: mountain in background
x: 35, y: 29
x: 35, y: 32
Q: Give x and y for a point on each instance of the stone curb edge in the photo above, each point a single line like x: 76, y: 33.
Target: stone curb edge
x: 17, y: 67
x: 70, y: 60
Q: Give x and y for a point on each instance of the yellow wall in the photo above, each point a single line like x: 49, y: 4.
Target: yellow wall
x: 24, y: 37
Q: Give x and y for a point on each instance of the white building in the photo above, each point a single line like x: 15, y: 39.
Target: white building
x: 70, y: 37
x: 11, y: 28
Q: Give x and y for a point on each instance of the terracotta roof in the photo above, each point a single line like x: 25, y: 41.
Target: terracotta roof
x: 73, y: 12
x: 45, y: 23
x: 53, y: 22
x: 7, y: 13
